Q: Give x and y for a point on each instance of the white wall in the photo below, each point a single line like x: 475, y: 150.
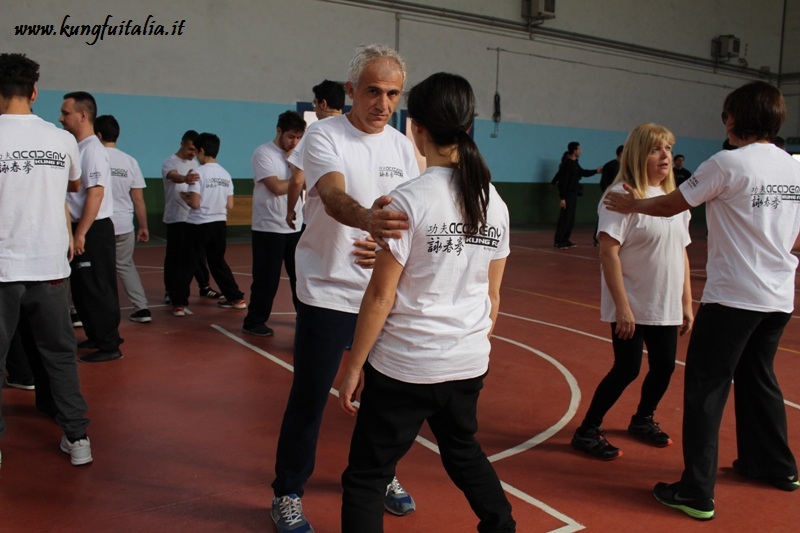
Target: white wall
x: 274, y: 51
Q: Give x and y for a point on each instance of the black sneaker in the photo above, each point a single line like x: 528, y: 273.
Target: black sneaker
x: 142, y: 316
x: 20, y: 383
x: 76, y: 320
x: 167, y: 299
x: 101, y: 356
x: 570, y: 244
x: 647, y: 430
x: 259, y: 330
x: 211, y: 294
x: 699, y: 509
x: 788, y: 483
x: 593, y: 442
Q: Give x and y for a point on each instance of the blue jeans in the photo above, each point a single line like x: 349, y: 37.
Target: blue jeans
x: 321, y: 336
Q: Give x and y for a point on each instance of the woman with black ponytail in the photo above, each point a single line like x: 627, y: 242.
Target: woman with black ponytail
x: 422, y: 338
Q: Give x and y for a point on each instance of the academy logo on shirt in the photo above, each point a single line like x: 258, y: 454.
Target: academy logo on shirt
x: 390, y: 172
x: 452, y: 237
x: 119, y: 172
x: 26, y: 160
x: 771, y: 196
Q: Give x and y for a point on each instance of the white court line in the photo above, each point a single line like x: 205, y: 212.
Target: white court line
x: 574, y: 402
x: 570, y: 524
x: 604, y: 339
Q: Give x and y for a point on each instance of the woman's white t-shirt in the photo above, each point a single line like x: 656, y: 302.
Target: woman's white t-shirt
x: 438, y: 327
x: 652, y: 254
x: 752, y: 197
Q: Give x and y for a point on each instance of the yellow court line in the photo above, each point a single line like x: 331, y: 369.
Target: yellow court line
x: 552, y: 297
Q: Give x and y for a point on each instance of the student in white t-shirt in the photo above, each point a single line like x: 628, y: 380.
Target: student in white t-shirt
x: 210, y: 198
x: 273, y: 242
x: 426, y: 318
x: 177, y: 173
x: 40, y: 164
x: 328, y: 102
x: 127, y: 184
x: 752, y: 197
x: 646, y: 292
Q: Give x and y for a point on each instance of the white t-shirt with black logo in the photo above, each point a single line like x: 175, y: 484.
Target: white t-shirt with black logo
x: 95, y: 172
x: 214, y: 187
x: 652, y: 257
x: 125, y: 175
x: 372, y: 165
x: 269, y: 209
x: 438, y: 327
x: 36, y: 162
x: 752, y: 197
x: 175, y: 209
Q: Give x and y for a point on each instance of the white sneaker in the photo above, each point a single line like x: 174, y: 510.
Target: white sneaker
x: 80, y: 451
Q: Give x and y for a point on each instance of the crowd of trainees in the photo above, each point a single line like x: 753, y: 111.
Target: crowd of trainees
x: 410, y: 353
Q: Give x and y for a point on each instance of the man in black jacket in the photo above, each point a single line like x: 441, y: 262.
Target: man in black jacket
x: 569, y: 188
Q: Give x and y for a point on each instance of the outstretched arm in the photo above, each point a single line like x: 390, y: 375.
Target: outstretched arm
x: 658, y: 206
x: 380, y: 223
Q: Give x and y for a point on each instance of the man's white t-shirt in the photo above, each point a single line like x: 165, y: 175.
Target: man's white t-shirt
x: 438, y: 327
x: 36, y: 162
x: 125, y: 175
x: 752, y: 197
x: 95, y: 172
x: 175, y: 209
x: 269, y: 209
x: 214, y: 187
x: 372, y: 165
x: 652, y: 257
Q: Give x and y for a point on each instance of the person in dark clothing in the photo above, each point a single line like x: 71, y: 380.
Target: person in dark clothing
x: 607, y: 176
x: 681, y: 174
x: 569, y: 188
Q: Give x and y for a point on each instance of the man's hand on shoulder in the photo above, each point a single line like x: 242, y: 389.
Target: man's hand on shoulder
x: 384, y: 223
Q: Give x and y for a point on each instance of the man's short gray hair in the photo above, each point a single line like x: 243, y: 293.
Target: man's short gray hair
x: 366, y: 53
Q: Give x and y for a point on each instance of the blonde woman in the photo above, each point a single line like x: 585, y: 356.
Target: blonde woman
x: 646, y: 295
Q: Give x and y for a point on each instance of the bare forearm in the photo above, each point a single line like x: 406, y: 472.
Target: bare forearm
x: 345, y: 209
x: 90, y: 209
x: 140, y: 209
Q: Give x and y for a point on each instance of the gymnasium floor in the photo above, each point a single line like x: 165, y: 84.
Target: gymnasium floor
x: 184, y: 427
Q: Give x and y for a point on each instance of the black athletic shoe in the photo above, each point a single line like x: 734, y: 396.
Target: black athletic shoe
x: 647, y: 430
x: 142, y: 316
x: 593, y: 442
x: 788, y: 483
x: 101, y: 356
x: 211, y: 294
x: 699, y: 509
x: 259, y: 330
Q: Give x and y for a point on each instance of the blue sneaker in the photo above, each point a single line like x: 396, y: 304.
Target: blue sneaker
x: 287, y: 513
x: 398, y: 501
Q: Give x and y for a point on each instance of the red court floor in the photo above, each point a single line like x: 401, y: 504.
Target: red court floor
x: 184, y: 427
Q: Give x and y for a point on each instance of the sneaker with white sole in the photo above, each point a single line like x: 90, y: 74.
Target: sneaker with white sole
x: 80, y: 451
x: 178, y: 311
x: 287, y: 513
x: 211, y: 294
x: 141, y: 316
x: 235, y: 304
x: 397, y: 500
